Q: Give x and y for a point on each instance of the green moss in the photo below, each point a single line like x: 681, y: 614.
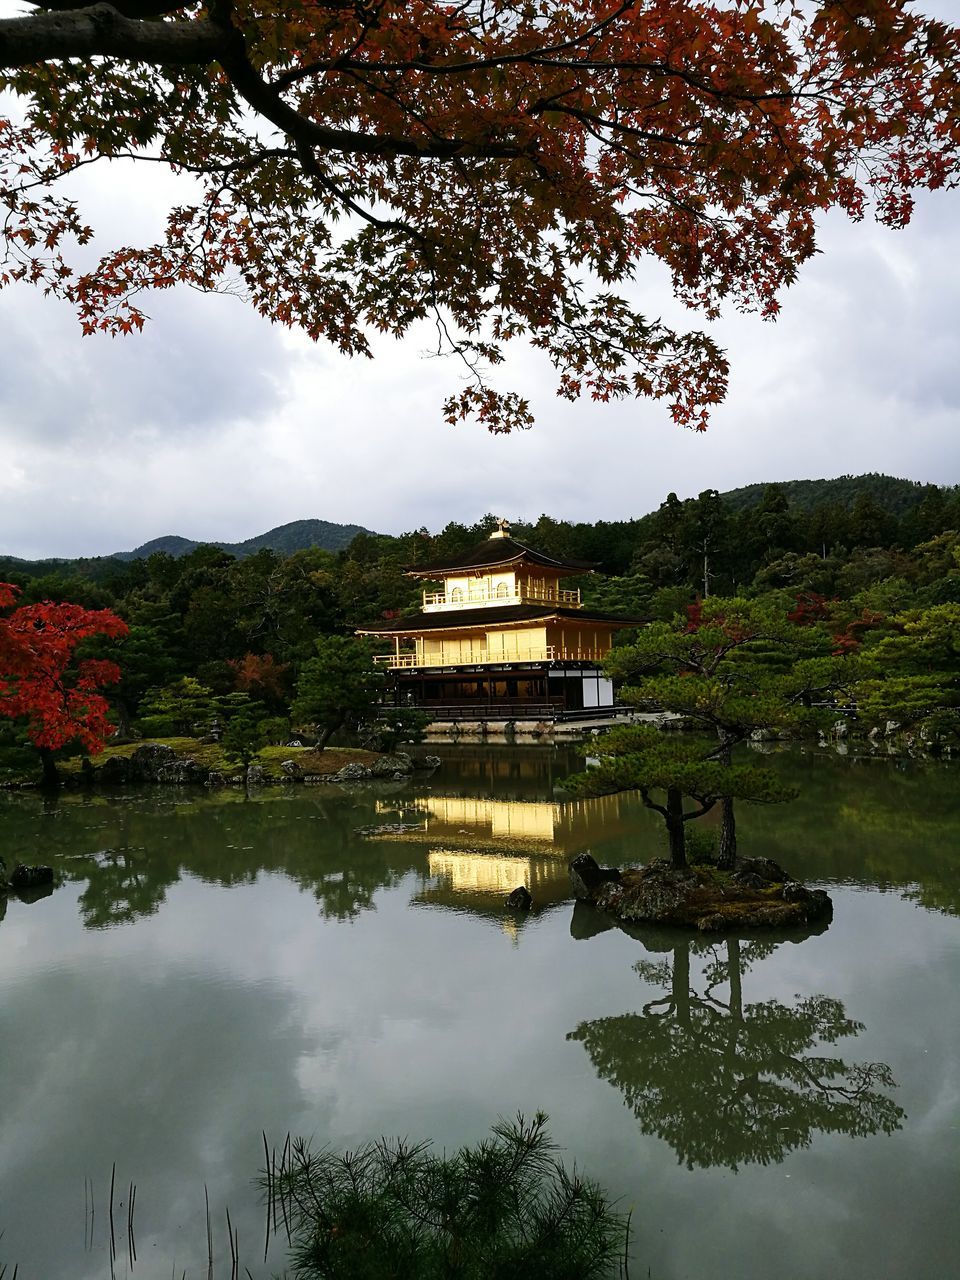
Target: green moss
x: 708, y: 899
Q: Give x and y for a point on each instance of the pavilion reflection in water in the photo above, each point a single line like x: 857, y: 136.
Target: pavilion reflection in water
x: 554, y: 827
x: 480, y: 848
x: 478, y: 883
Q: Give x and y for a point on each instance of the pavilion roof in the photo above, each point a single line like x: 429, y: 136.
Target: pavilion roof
x: 495, y: 552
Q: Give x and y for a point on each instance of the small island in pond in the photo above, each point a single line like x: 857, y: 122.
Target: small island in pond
x: 755, y: 894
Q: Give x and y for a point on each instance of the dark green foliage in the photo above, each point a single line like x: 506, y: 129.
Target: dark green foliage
x: 641, y: 757
x: 912, y: 672
x: 896, y: 496
x: 183, y: 707
x: 339, y: 688
x: 18, y: 759
x: 506, y: 1209
x: 275, y: 731
x: 243, y: 734
x: 393, y: 727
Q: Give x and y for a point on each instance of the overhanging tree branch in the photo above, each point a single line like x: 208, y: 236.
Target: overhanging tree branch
x: 100, y: 30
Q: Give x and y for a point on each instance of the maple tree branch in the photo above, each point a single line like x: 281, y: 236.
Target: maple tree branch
x: 308, y: 162
x: 344, y: 62
x: 267, y: 102
x: 102, y: 30
x: 243, y: 165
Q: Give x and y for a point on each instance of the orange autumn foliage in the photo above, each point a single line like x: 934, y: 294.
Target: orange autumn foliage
x: 497, y: 168
x: 43, y: 682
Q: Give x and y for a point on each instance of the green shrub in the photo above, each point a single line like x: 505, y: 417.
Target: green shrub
x: 506, y: 1209
x: 702, y: 843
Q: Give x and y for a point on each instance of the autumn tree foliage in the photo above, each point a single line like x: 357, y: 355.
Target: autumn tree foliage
x: 42, y: 680
x: 498, y: 168
x: 261, y: 675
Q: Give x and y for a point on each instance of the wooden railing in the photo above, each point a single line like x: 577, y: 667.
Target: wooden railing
x: 436, y: 600
x: 519, y: 710
x: 483, y: 657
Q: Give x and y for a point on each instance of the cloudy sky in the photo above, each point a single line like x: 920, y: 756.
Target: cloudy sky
x: 214, y: 424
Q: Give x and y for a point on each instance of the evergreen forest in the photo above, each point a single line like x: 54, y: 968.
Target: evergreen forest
x: 866, y: 557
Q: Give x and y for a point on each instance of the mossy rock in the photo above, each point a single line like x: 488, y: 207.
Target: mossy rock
x: 756, y: 894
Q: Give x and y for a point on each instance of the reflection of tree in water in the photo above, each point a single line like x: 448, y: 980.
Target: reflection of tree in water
x: 152, y: 846
x: 890, y: 822
x: 728, y: 1083
x: 123, y: 885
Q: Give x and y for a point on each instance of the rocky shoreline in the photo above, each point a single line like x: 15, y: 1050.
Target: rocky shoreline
x: 156, y: 764
x: 755, y: 894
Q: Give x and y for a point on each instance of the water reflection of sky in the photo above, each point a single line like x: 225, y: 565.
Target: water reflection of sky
x: 279, y: 1003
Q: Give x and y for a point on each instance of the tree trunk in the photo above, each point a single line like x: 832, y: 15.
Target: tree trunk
x: 736, y: 979
x: 675, y: 831
x: 727, y: 855
x: 327, y: 733
x: 681, y: 983
x: 123, y: 717
x: 51, y: 775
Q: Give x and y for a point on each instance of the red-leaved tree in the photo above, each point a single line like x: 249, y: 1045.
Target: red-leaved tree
x: 262, y: 676
x: 42, y: 681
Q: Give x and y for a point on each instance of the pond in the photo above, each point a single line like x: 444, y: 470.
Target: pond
x: 217, y: 966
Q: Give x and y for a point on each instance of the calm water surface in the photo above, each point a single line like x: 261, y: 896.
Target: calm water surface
x: 215, y: 966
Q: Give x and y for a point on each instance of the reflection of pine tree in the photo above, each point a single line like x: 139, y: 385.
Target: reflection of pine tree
x: 123, y: 881
x: 122, y: 886
x: 727, y: 1083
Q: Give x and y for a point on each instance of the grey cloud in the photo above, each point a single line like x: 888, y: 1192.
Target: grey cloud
x: 197, y: 365
x: 211, y: 424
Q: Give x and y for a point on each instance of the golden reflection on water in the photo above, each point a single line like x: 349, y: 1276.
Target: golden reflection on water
x: 483, y: 872
x: 558, y: 827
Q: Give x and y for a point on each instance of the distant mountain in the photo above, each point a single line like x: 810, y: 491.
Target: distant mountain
x: 287, y: 538
x: 894, y: 495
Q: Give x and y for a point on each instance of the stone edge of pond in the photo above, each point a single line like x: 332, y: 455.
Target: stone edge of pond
x: 156, y: 764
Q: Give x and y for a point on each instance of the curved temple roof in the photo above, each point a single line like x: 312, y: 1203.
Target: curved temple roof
x: 481, y: 619
x: 495, y: 552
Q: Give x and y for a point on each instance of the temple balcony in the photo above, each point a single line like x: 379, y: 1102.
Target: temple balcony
x: 437, y: 601
x: 484, y: 657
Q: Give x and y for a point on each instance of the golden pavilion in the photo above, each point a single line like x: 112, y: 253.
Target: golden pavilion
x: 499, y: 637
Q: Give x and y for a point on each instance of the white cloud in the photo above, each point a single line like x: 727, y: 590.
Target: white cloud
x: 213, y: 424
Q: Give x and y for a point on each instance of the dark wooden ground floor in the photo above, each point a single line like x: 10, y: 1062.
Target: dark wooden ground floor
x: 503, y: 691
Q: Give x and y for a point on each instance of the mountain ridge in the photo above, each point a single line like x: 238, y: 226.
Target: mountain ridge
x: 895, y: 494
x: 296, y: 535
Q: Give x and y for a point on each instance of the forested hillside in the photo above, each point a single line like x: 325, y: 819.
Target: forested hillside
x: 286, y: 538
x: 248, y: 625
x: 897, y: 496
